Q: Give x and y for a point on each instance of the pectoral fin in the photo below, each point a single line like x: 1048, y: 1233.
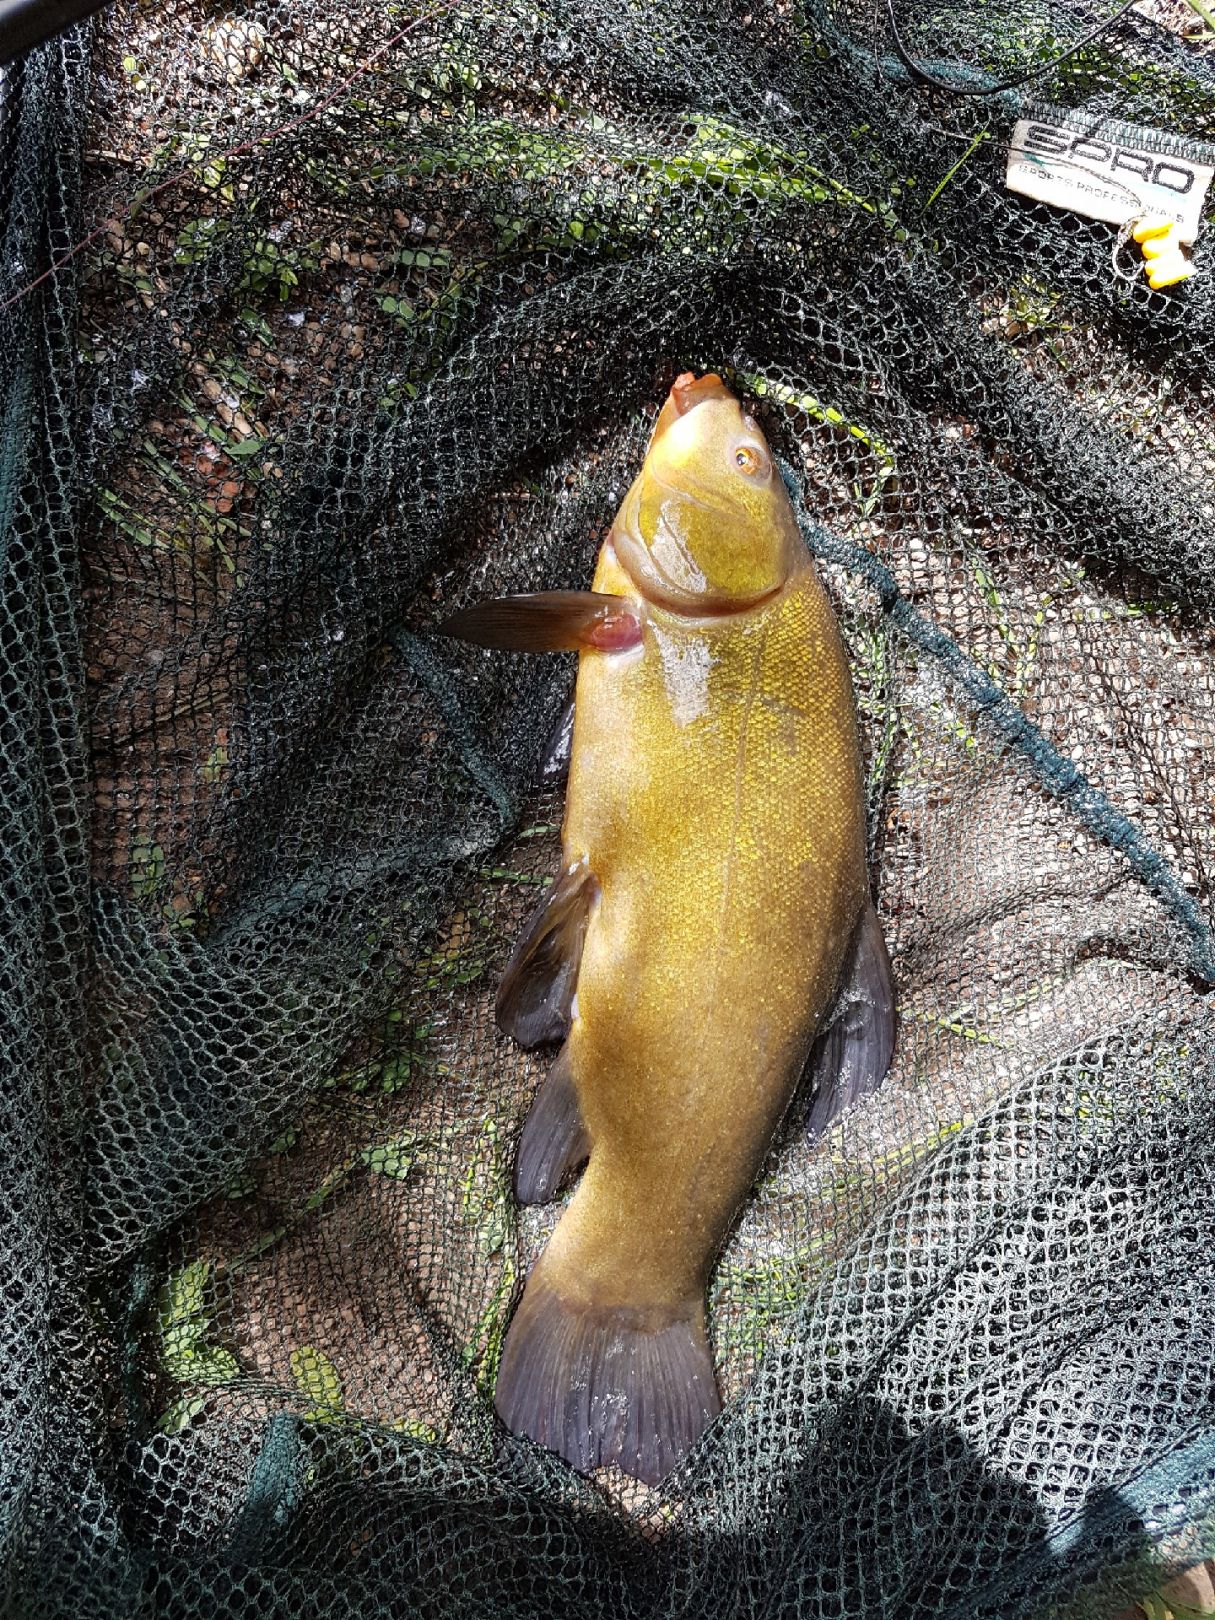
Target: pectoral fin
x: 554, y: 1139
x: 852, y: 1054
x: 549, y: 621
x: 534, y: 998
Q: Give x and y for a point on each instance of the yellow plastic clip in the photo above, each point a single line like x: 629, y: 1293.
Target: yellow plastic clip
x: 1164, y: 261
x: 1167, y: 272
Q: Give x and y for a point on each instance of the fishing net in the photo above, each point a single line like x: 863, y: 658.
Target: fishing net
x: 358, y: 317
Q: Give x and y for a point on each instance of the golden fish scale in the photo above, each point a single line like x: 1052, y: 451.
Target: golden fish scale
x: 715, y: 789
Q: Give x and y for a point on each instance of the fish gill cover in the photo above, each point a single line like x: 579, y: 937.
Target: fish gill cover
x: 358, y: 317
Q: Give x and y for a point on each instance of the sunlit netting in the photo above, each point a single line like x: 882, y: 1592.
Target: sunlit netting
x: 373, y: 315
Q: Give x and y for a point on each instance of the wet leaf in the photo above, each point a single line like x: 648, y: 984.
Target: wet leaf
x: 318, y: 1380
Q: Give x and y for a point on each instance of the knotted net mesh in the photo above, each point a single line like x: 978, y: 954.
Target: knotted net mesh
x: 368, y: 316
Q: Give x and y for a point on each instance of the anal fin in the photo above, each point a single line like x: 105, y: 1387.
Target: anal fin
x: 554, y: 1139
x: 537, y: 988
x: 853, y: 1052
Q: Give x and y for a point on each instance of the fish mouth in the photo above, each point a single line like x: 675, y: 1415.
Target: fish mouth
x: 687, y: 392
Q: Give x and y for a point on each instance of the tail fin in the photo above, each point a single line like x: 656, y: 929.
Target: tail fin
x: 601, y: 1390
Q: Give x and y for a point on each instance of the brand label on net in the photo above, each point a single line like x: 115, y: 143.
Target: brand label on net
x: 1109, y: 171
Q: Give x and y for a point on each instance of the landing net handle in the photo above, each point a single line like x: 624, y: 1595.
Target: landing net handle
x: 26, y: 23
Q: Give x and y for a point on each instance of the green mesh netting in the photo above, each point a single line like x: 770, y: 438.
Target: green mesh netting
x: 373, y: 313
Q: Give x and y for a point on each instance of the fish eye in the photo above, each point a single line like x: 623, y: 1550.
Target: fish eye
x: 747, y: 458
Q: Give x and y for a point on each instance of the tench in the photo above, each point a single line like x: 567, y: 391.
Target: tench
x: 712, y: 911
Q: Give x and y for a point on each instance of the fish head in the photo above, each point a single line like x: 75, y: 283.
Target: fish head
x: 707, y: 527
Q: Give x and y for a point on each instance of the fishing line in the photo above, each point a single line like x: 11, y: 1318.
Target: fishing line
x: 925, y: 76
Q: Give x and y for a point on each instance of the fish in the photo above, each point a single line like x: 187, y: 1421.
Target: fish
x: 711, y: 932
